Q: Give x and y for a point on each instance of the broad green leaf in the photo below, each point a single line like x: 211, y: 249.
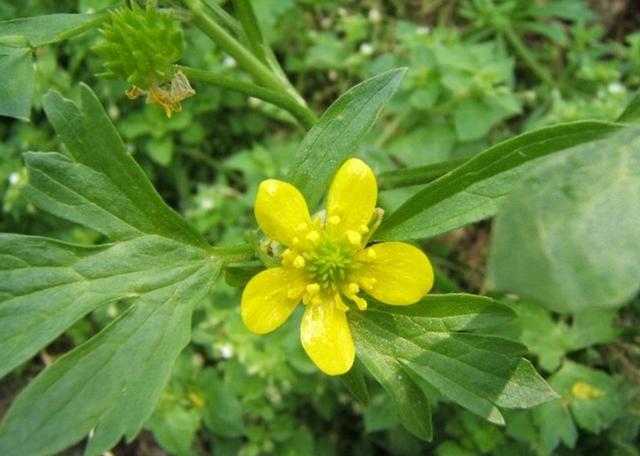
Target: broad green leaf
x: 356, y: 383
x: 475, y: 190
x: 158, y: 267
x: 568, y: 236
x: 338, y: 132
x: 102, y: 187
x: 631, y: 113
x: 591, y: 394
x: 42, y: 30
x: 17, y: 81
x: 556, y: 425
x: 427, y: 343
x: 46, y: 285
x: 110, y: 384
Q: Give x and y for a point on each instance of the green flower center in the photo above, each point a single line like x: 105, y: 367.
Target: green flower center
x: 329, y: 264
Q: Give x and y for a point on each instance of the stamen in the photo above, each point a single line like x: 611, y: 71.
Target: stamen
x: 361, y: 303
x: 364, y: 229
x: 340, y: 305
x: 334, y: 220
x: 354, y: 238
x: 353, y: 288
x: 298, y: 262
x: 313, y: 236
x: 313, y: 288
x: 295, y: 241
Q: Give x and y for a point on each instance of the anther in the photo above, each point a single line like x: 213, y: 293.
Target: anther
x: 361, y: 303
x: 353, y: 288
x: 354, y: 237
x: 313, y: 288
x: 364, y: 229
x: 334, y: 220
x: 298, y: 262
x: 313, y: 236
x: 295, y: 241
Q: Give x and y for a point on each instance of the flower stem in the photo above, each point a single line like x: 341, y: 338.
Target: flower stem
x: 303, y: 115
x: 261, y: 72
x: 247, y: 18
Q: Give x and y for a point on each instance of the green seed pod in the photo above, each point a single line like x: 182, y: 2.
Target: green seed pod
x: 140, y: 46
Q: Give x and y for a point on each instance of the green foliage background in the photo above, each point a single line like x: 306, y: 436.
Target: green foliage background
x: 469, y: 85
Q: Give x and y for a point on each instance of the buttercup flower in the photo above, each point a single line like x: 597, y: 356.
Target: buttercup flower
x: 326, y: 265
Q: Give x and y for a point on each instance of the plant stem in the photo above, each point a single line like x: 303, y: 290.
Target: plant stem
x: 247, y: 17
x: 407, y: 177
x: 233, y: 254
x: 302, y: 114
x: 521, y: 49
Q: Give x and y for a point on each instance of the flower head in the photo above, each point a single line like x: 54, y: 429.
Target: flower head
x: 327, y: 265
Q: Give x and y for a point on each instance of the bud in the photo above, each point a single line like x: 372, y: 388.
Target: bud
x: 141, y: 46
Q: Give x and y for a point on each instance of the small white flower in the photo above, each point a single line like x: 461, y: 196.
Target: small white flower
x: 226, y: 351
x: 14, y: 178
x: 229, y: 62
x: 207, y: 204
x: 366, y: 49
x: 615, y: 88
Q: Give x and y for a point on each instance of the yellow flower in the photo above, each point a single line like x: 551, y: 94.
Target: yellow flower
x: 326, y: 265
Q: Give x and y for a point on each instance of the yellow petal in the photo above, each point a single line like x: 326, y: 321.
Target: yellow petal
x: 281, y: 211
x: 394, y: 273
x: 270, y: 297
x: 352, y: 198
x: 326, y: 338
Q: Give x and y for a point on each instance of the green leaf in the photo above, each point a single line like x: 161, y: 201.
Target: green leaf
x: 223, y: 411
x: 475, y: 190
x: 158, y: 268
x: 174, y: 426
x: 43, y: 30
x: 47, y: 285
x: 574, y: 224
x: 429, y: 343
x: 551, y: 340
x: 591, y: 394
x: 111, y: 383
x: 17, y: 82
x: 338, y: 132
x: 356, y: 383
x: 103, y: 187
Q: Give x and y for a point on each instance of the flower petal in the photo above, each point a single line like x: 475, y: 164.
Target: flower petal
x: 326, y: 338
x: 352, y: 198
x: 394, y: 273
x: 281, y: 211
x: 270, y: 297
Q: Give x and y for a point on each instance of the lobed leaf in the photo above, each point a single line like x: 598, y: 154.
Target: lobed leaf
x: 46, y: 285
x: 406, y: 346
x: 109, y: 385
x: 474, y: 190
x: 338, y: 132
x: 102, y: 187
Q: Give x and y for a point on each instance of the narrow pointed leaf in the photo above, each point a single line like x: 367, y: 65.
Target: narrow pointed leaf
x: 102, y: 187
x: 474, y: 190
x: 480, y: 372
x: 338, y: 132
